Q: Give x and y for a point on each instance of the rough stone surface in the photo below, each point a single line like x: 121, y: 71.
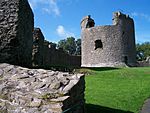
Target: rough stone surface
x: 24, y: 90
x: 21, y: 45
x: 16, y: 26
x: 116, y: 43
x: 37, y: 52
x: 146, y: 107
x: 46, y: 55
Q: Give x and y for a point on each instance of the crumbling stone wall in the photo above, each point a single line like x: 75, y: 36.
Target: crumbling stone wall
x: 46, y: 55
x: 37, y: 52
x: 110, y: 45
x: 21, y: 45
x: 24, y: 90
x: 59, y: 58
x: 16, y: 26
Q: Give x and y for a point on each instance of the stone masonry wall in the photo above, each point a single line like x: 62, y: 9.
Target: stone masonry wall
x: 46, y: 55
x: 21, y: 45
x: 109, y: 55
x: 110, y: 45
x: 24, y: 90
x: 37, y: 52
x: 16, y: 26
x: 126, y: 25
x: 59, y: 58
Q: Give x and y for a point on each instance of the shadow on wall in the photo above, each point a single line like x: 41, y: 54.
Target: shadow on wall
x: 103, y: 68
x: 90, y: 108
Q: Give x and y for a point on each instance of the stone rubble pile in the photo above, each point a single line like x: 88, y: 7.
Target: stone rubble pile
x: 24, y: 90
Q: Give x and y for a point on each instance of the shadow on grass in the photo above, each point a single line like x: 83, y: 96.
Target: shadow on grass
x: 103, y: 68
x: 90, y: 108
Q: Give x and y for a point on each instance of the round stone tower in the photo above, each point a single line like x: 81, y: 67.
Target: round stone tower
x: 110, y: 45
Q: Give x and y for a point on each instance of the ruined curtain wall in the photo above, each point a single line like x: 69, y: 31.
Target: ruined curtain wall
x: 37, y: 52
x: 58, y: 58
x: 46, y: 55
x: 16, y: 26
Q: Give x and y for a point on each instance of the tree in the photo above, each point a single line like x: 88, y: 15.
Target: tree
x: 78, y: 48
x: 70, y: 45
x: 143, y: 50
x: 62, y: 44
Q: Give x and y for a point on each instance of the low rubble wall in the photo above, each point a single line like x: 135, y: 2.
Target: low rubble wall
x: 24, y: 90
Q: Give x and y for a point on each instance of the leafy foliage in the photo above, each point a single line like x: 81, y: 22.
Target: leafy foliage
x: 143, y: 50
x: 70, y: 45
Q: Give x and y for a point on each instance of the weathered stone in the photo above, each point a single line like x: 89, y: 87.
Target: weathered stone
x: 3, y: 65
x: 55, y: 85
x: 1, y: 73
x: 70, y: 85
x: 110, y: 45
x: 37, y: 52
x: 60, y: 99
x: 45, y: 54
x: 36, y: 102
x: 38, y: 90
x: 16, y: 26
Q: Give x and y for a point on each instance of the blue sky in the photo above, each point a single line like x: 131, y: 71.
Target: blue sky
x: 59, y: 19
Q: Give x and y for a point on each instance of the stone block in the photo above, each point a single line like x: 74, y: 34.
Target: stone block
x: 30, y: 90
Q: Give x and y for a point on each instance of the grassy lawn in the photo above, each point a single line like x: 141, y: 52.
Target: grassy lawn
x: 116, y: 90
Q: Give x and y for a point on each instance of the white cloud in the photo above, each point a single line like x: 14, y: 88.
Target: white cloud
x: 134, y: 14
x: 63, y: 33
x: 141, y: 15
x: 48, y: 6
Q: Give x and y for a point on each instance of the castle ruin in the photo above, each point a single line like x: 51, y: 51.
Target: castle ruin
x: 46, y: 55
x: 110, y: 45
x: 22, y: 44
x: 24, y: 90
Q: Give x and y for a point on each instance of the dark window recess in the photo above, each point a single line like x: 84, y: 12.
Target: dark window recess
x: 98, y: 44
x: 123, y: 33
x: 126, y: 60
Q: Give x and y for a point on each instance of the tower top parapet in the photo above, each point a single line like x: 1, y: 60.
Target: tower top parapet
x: 87, y: 22
x: 120, y: 16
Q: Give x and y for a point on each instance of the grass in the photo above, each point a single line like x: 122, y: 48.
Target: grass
x: 111, y: 90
